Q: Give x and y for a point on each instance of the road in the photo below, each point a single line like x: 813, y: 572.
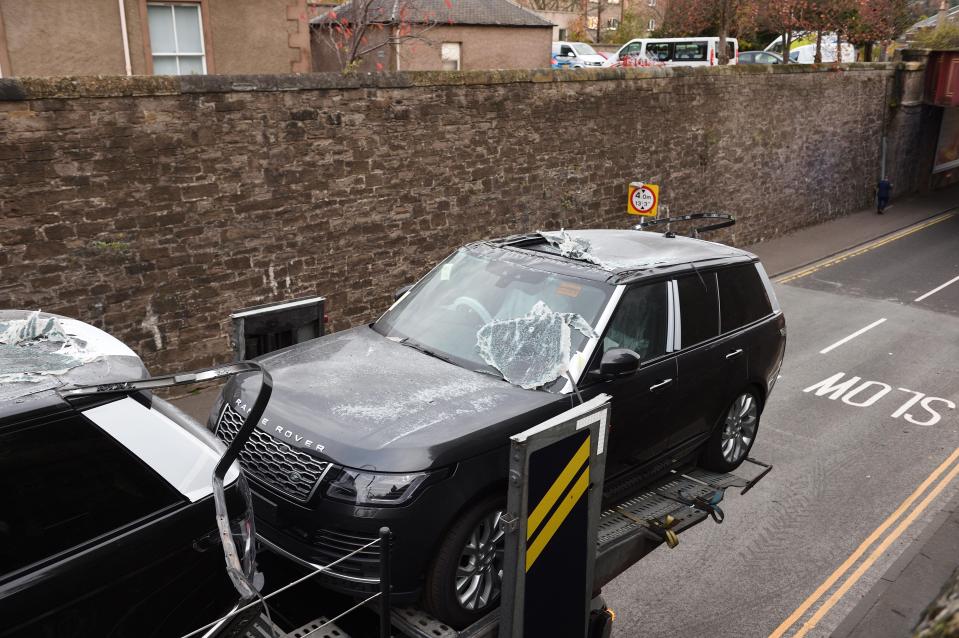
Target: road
x: 858, y: 474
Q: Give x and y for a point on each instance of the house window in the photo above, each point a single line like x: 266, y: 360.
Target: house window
x: 450, y: 54
x: 651, y: 3
x: 562, y: 34
x: 176, y: 39
x: 652, y: 24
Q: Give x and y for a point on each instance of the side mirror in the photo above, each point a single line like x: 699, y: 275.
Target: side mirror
x: 401, y: 291
x: 618, y: 363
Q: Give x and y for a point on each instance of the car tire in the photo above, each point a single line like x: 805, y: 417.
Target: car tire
x: 466, y: 576
x: 734, y: 435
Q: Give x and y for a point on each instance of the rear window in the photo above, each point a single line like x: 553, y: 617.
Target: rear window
x: 67, y: 482
x: 742, y: 296
x: 699, y: 308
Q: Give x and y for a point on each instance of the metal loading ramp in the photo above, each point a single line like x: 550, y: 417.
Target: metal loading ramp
x: 630, y: 530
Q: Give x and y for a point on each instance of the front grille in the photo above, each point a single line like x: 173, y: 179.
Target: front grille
x: 324, y: 546
x: 273, y: 462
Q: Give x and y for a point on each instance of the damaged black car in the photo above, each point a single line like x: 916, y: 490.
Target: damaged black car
x: 405, y: 422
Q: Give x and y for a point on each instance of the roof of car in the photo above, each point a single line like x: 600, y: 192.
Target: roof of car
x: 615, y: 254
x: 41, y: 353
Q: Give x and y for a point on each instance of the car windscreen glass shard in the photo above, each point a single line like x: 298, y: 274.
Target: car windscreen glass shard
x: 532, y: 350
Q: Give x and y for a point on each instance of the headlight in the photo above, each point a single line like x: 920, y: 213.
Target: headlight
x: 364, y: 488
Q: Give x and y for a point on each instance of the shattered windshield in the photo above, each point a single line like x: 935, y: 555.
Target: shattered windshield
x: 526, y: 325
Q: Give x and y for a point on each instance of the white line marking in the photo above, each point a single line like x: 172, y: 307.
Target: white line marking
x: 852, y: 336
x: 935, y: 290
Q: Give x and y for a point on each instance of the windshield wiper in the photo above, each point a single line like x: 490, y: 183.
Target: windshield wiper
x: 406, y: 341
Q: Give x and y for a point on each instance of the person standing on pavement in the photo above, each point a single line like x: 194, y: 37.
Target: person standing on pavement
x: 883, y: 190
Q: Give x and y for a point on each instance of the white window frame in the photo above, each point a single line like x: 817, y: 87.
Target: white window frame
x: 459, y: 56
x: 176, y: 55
x: 652, y: 24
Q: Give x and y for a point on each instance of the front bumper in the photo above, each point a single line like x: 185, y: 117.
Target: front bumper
x: 321, y: 531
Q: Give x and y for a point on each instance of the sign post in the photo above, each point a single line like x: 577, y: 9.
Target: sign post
x: 643, y: 199
x: 553, y: 507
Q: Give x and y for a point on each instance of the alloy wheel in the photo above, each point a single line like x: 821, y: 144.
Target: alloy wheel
x: 739, y: 429
x: 479, y: 575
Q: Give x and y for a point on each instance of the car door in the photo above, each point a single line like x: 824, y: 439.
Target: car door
x: 642, y: 403
x: 93, y: 543
x: 708, y: 363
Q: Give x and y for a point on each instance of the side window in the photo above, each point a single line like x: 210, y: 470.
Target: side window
x: 658, y: 51
x: 640, y: 322
x: 689, y: 51
x: 742, y: 297
x: 65, y: 483
x: 698, y: 308
x: 631, y: 49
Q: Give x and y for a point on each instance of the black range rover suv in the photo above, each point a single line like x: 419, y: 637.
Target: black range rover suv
x: 405, y: 422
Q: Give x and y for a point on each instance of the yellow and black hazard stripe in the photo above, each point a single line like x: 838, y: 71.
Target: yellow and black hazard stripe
x: 554, y: 507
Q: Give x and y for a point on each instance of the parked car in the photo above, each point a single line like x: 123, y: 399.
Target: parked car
x: 405, y: 422
x: 576, y: 55
x: 802, y: 49
x: 675, y: 51
x: 107, y: 527
x: 759, y: 57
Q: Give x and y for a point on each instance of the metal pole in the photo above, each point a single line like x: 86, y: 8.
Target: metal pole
x: 385, y: 582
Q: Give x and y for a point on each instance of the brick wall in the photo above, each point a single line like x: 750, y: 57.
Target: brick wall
x: 153, y: 207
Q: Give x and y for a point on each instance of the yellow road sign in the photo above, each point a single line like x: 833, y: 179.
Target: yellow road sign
x: 643, y: 199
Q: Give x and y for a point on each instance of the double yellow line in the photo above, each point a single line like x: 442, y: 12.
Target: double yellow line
x: 553, y: 494
x: 855, y: 252
x: 873, y: 556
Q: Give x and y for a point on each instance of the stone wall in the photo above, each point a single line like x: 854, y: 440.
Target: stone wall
x: 153, y: 207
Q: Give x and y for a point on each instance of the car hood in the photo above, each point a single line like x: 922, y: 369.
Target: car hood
x: 364, y: 401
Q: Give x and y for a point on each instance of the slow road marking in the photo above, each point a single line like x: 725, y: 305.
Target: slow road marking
x: 852, y: 336
x: 833, y: 578
x: 855, y: 252
x: 935, y: 290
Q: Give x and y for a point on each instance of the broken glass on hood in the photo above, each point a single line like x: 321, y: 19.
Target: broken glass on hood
x: 532, y: 350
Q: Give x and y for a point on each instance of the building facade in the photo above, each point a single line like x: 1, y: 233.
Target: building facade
x: 464, y: 35
x: 143, y: 37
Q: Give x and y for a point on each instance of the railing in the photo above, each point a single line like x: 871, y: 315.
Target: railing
x: 213, y: 629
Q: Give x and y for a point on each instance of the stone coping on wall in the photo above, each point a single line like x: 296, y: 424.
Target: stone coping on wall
x: 37, y: 88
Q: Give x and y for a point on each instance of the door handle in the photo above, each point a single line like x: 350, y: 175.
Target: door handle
x: 732, y: 354
x: 660, y: 384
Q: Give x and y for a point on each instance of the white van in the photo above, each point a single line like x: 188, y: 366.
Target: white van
x: 673, y: 52
x: 802, y: 51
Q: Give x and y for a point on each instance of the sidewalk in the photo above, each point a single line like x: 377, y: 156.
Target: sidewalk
x: 824, y: 240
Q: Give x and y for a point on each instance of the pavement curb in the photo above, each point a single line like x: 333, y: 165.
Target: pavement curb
x: 849, y: 625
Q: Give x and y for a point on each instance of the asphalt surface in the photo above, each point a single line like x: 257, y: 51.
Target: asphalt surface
x: 843, y: 466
